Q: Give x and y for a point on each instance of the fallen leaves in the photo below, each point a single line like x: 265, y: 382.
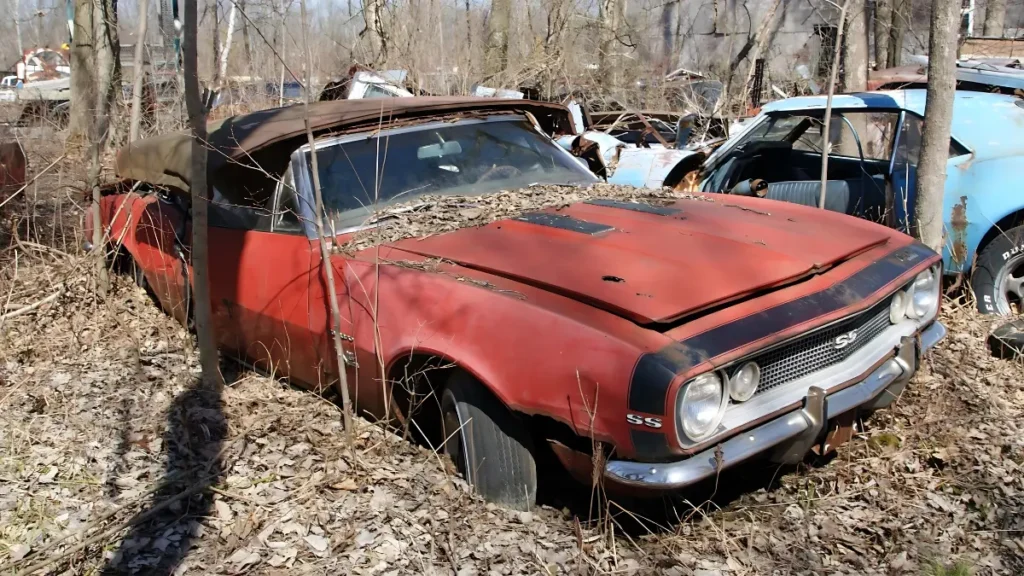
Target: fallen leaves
x: 103, y: 415
x: 432, y: 214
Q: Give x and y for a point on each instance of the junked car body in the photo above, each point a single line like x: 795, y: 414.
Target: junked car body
x: 875, y: 143
x: 1004, y: 76
x: 681, y: 334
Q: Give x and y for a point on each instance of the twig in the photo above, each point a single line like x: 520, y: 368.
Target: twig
x: 14, y: 282
x: 33, y: 306
x: 41, y: 247
x: 8, y: 395
x: 24, y: 186
x: 828, y: 104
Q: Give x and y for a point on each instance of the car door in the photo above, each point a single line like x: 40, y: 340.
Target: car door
x: 903, y: 177
x: 262, y: 267
x: 268, y: 288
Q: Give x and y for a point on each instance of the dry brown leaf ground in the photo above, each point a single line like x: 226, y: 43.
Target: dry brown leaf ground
x: 100, y: 425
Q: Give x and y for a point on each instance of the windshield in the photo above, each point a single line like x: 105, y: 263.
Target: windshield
x: 469, y: 157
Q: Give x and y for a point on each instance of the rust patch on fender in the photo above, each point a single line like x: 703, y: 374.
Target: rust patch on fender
x: 958, y: 225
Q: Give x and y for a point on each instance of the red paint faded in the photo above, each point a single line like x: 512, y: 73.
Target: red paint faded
x: 537, y: 324
x: 644, y: 268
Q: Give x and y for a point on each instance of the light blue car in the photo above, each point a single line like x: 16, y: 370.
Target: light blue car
x: 875, y: 143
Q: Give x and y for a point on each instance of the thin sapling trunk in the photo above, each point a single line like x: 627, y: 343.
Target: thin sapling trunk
x: 828, y: 104
x: 325, y: 251
x: 200, y: 247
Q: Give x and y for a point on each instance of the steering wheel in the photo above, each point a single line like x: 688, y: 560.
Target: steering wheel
x: 504, y: 171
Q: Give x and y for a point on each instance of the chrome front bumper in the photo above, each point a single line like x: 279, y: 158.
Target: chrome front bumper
x: 787, y: 438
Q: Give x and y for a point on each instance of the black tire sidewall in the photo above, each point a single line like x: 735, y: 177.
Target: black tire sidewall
x: 991, y: 260
x: 496, y: 446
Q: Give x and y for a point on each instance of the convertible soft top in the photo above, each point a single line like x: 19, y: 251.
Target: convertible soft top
x: 165, y: 160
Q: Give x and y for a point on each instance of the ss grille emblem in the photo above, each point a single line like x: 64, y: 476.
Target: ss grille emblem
x: 844, y: 340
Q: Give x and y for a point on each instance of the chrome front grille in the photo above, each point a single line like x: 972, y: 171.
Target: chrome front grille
x: 821, y: 349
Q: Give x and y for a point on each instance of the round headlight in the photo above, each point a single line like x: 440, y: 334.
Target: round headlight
x: 744, y: 382
x: 703, y: 406
x: 924, y: 297
x: 898, y: 307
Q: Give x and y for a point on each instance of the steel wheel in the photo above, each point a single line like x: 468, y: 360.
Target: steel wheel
x: 1010, y: 285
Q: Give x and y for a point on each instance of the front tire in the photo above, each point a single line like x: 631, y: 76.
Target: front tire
x: 998, y: 280
x: 488, y: 443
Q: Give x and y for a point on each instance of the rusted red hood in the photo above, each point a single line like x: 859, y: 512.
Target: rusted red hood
x: 657, y: 264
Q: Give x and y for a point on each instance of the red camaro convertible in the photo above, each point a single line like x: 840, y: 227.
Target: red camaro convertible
x: 660, y: 337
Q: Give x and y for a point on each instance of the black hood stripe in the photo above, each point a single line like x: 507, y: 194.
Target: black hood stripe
x: 654, y: 371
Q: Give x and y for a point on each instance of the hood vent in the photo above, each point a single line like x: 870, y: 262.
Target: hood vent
x: 564, y: 223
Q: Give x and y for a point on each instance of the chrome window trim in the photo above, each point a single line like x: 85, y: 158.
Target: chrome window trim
x: 368, y: 134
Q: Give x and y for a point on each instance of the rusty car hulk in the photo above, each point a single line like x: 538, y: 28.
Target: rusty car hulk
x: 502, y: 305
x: 875, y: 142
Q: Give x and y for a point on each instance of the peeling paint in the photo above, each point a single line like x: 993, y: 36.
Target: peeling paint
x: 958, y: 224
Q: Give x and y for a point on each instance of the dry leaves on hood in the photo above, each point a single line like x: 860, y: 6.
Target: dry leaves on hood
x: 437, y: 214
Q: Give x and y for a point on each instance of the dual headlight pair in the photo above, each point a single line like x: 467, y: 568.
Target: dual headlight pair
x: 701, y: 404
x: 704, y: 399
x: 920, y: 300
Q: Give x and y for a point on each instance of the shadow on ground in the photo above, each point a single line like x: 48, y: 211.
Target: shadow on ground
x: 162, y: 533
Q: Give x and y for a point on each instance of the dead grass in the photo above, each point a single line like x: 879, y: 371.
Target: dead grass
x: 106, y: 442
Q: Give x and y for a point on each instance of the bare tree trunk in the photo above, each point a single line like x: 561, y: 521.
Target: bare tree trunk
x: 108, y: 63
x: 611, y: 14
x: 246, y: 43
x: 668, y: 19
x: 374, y: 30
x: 498, y: 21
x: 856, y: 69
x: 883, y: 22
x: 17, y: 27
x: 828, y: 103
x: 900, y: 15
x: 215, y: 67
x: 469, y: 33
x: 225, y: 49
x: 140, y: 71
x: 40, y: 11
x: 763, y: 36
x: 995, y: 16
x: 208, y: 361
x: 325, y: 255
x: 83, y: 71
x: 931, y: 168
x: 856, y: 45
x: 105, y: 71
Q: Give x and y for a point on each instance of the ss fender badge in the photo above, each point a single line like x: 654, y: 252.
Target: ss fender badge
x: 638, y: 420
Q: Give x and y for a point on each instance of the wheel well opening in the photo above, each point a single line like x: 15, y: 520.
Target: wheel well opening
x: 1007, y: 222
x: 416, y: 382
x: 685, y: 166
